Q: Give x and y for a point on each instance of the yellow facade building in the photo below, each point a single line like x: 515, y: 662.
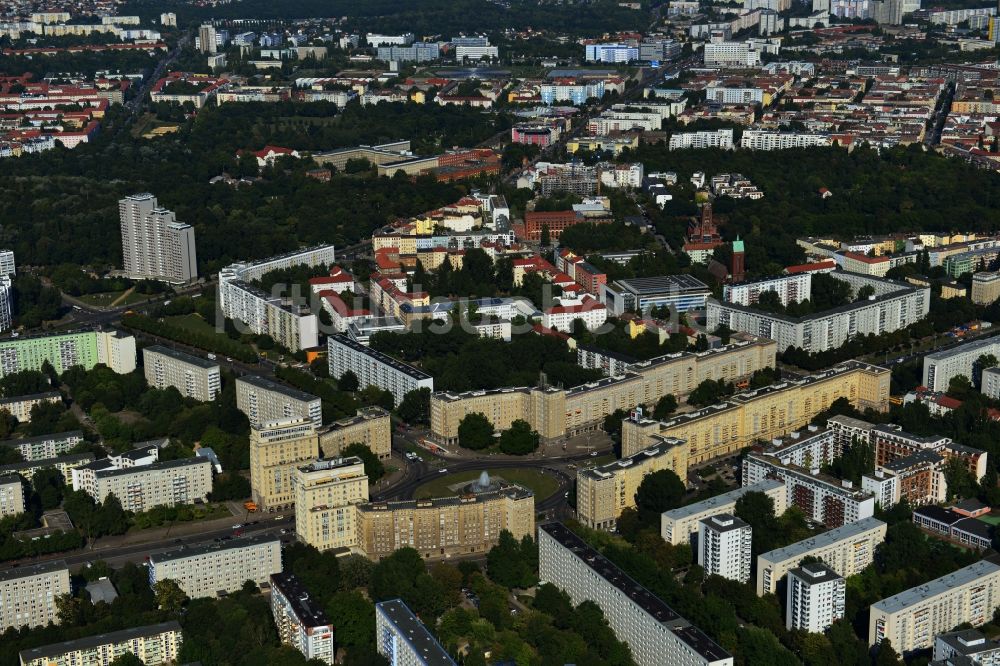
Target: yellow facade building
x: 276, y: 449
x: 445, y: 527
x: 602, y: 493
x: 557, y: 413
x: 327, y: 493
x: 763, y: 414
x: 371, y: 427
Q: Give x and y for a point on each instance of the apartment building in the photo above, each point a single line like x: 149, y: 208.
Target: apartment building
x: 65, y: 464
x: 788, y: 288
x: 63, y: 351
x: 677, y: 526
x: 326, y: 494
x: 141, y: 482
x: 822, y: 498
x: 265, y: 401
x: 371, y: 426
x: 941, y: 367
x: 724, y: 547
x: 654, y: 632
x: 193, y: 376
x: 205, y: 571
x: 44, y: 446
x: 611, y: 53
x: 771, y: 140
x: 969, y: 644
x: 153, y: 645
x: 558, y: 413
x: 301, y: 622
x: 404, y: 640
x: 28, y: 594
x: 912, y: 619
x: 722, y: 138
x: 155, y: 246
x: 847, y: 550
x: 815, y: 598
x: 20, y: 406
x: 277, y: 448
x: 739, y: 55
x: 6, y: 302
x: 291, y: 325
x: 985, y: 288
x: 446, y: 526
x: 604, y: 492
x: 895, y: 306
x: 766, y: 413
x: 374, y: 368
x: 11, y: 495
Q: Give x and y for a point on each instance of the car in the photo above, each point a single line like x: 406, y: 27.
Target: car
x: 280, y: 518
x: 443, y: 470
x: 237, y: 526
x: 593, y: 454
x: 284, y: 530
x: 229, y: 359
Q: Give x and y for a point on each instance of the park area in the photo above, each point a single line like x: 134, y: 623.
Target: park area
x: 541, y: 484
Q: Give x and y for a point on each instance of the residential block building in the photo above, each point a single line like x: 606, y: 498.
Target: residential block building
x: 724, y: 547
x: 404, y: 640
x: 558, y: 413
x: 326, y: 494
x: 677, y: 526
x: 205, y: 571
x: 722, y: 138
x: 372, y: 427
x: 277, y: 448
x: 941, y: 367
x: 895, y: 306
x: 765, y: 413
x: 44, y: 446
x: 912, y: 619
x: 155, y: 246
x: 985, y: 288
x: 28, y: 594
x: 11, y: 495
x: 815, y: 598
x: 301, y: 622
x: 446, y: 526
x: 604, y: 492
x: 20, y: 406
x: 768, y: 140
x: 65, y: 350
x: 265, y: 401
x: 788, y: 289
x: 822, y: 498
x: 654, y: 632
x: 968, y: 644
x: 847, y: 550
x: 65, y: 464
x: 373, y: 368
x: 193, y: 376
x: 141, y: 481
x: 153, y: 645
x: 290, y: 324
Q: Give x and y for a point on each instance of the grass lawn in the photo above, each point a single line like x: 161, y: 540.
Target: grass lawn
x: 107, y: 298
x: 991, y: 518
x: 542, y: 485
x: 598, y: 460
x: 193, y: 323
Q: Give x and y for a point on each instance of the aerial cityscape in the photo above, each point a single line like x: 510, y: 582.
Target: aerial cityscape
x: 499, y: 332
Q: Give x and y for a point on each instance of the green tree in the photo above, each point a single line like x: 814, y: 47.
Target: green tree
x: 519, y: 439
x: 169, y: 596
x: 348, y: 382
x: 887, y: 655
x: 659, y: 492
x: 865, y: 292
x: 512, y: 563
x: 354, y: 618
x: 127, y: 659
x: 48, y: 484
x: 373, y: 466
x: 665, y: 406
x: 960, y: 387
x: 960, y: 481
x: 546, y: 236
x: 415, y: 407
x: 757, y: 509
x: 475, y: 432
